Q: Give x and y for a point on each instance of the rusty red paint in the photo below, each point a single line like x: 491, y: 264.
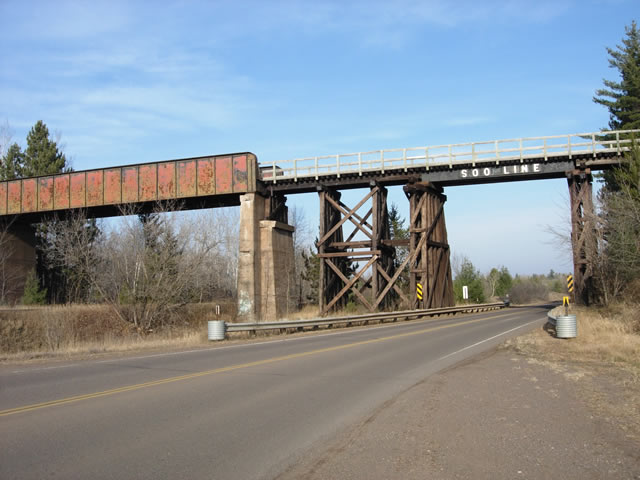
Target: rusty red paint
x: 224, y: 175
x: 175, y: 179
x: 78, y: 190
x: 112, y: 186
x: 166, y: 180
x: 186, y: 178
x: 14, y: 198
x: 240, y: 173
x: 29, y: 195
x: 206, y: 176
x: 3, y: 198
x: 130, y: 184
x: 95, y: 188
x: 148, y: 182
x: 61, y: 191
x: 45, y: 193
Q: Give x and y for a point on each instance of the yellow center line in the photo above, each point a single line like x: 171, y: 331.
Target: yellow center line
x: 77, y: 398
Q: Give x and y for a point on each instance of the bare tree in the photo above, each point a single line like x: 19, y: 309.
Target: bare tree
x: 302, y: 241
x: 5, y: 138
x: 143, y: 269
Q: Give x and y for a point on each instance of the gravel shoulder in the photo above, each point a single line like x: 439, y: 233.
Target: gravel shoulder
x: 500, y: 415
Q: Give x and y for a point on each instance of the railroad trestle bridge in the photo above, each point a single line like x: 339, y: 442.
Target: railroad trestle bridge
x: 362, y: 263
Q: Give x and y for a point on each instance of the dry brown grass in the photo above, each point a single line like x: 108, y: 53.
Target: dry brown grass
x: 55, y: 331
x: 605, y: 337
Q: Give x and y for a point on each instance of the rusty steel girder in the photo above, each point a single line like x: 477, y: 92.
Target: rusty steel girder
x: 150, y: 182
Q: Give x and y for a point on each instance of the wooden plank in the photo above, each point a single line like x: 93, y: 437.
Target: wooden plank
x: 349, y: 254
x: 410, y: 258
x: 395, y: 286
x: 349, y: 284
x: 322, y: 284
x: 348, y: 244
x: 362, y: 222
x: 347, y: 215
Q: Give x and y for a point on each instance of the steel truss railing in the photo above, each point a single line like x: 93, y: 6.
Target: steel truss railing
x: 494, y: 151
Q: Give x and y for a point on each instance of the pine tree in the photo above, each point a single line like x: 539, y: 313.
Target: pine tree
x: 622, y: 98
x: 33, y: 294
x: 399, y: 232
x: 505, y: 282
x: 42, y: 156
x: 470, y: 277
x: 12, y: 163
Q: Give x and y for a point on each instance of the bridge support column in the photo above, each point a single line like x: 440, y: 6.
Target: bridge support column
x: 429, y: 254
x: 17, y: 259
x: 583, y: 240
x: 266, y: 269
x: 370, y: 280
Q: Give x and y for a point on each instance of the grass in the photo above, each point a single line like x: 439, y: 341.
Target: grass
x: 60, y: 331
x: 52, y: 332
x: 605, y: 337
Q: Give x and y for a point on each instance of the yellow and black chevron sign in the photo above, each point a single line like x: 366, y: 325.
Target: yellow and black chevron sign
x: 570, y: 283
x: 419, y: 291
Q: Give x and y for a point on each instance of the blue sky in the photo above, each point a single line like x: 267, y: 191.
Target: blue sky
x: 130, y: 82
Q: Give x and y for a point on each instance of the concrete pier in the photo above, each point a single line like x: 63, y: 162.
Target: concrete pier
x: 265, y: 262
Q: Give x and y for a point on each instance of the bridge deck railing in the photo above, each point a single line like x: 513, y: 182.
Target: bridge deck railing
x: 493, y: 151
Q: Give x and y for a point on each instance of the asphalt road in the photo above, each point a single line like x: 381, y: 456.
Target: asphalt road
x: 244, y: 411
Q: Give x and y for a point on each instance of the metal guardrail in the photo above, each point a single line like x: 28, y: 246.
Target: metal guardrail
x: 359, y: 319
x: 551, y: 317
x: 493, y: 151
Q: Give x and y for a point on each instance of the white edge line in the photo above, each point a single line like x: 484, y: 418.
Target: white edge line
x: 487, y: 339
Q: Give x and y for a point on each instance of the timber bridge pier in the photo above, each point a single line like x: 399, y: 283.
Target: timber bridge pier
x: 266, y: 239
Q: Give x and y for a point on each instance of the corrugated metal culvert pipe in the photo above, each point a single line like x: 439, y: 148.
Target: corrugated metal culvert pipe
x: 216, y: 329
x: 566, y: 326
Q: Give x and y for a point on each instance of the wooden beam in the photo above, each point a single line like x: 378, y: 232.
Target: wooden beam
x: 349, y: 284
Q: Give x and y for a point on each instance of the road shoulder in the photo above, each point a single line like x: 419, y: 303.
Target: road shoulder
x: 498, y: 415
